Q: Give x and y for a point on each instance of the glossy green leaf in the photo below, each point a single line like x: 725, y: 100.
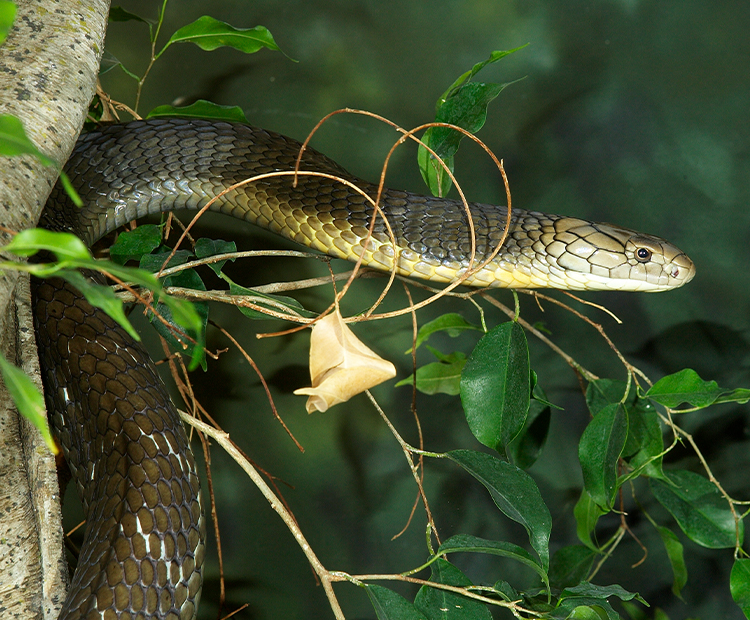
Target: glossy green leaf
x: 739, y: 584
x: 157, y: 261
x: 108, y: 62
x: 687, y: 387
x: 277, y: 303
x: 587, y: 513
x: 14, y: 141
x: 166, y: 325
x: 585, y: 608
x: 467, y: 543
x: 570, y: 565
x: 514, y: 492
x: 603, y: 392
x: 28, y: 399
x: 100, y: 296
x: 578, y: 610
x: 118, y: 14
x: 495, y: 386
x: 442, y: 377
x: 209, y: 34
x: 674, y: 550
x: 602, y: 592
x: 645, y: 443
x: 211, y: 247
x: 391, y: 606
x: 698, y: 507
x: 526, y: 447
x: 69, y: 189
x: 7, y: 15
x: 183, y: 312
x: 452, y: 323
x: 493, y: 58
x: 438, y: 604
x: 467, y: 108
x: 600, y: 447
x: 463, y: 104
x: 506, y: 591
x: 201, y: 109
x: 133, y: 244
x: 65, y: 246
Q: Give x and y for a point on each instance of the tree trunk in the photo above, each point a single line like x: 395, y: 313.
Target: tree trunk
x: 48, y: 69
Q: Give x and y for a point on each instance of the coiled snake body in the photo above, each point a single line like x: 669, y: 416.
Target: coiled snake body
x: 122, y: 437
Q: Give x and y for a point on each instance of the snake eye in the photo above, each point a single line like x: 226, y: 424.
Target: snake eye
x: 642, y: 255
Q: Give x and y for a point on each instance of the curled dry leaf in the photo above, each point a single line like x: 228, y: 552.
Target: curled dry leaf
x: 341, y: 366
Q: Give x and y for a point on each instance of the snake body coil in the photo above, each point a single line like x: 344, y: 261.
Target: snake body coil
x: 144, y: 545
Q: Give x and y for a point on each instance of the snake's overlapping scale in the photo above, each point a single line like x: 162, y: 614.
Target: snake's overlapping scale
x: 130, y: 459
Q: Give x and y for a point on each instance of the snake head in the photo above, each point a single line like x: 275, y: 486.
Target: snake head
x: 609, y: 257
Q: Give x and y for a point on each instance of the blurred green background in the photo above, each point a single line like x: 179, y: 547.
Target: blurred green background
x: 631, y: 111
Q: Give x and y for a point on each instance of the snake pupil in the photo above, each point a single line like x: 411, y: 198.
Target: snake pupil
x: 642, y: 254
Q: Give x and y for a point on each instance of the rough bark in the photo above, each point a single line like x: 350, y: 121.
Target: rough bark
x: 48, y: 69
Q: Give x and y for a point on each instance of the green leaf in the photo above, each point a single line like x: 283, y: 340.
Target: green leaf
x: 585, y: 608
x: 494, y: 57
x: 439, y: 604
x: 277, y: 303
x: 467, y: 543
x: 739, y: 584
x: 391, y: 606
x: 463, y: 104
x: 190, y: 279
x: 441, y: 377
x: 14, y: 141
x: 108, y: 62
x: 118, y: 14
x: 452, y: 323
x: 570, y: 565
x: 133, y: 244
x: 7, y: 15
x: 514, y: 492
x: 676, y: 557
x: 100, y: 296
x: 211, y: 247
x: 699, y: 509
x: 209, y: 34
x: 154, y: 263
x: 526, y: 447
x: 508, y: 592
x: 183, y: 312
x: 687, y: 387
x: 28, y: 399
x: 69, y: 189
x: 587, y: 513
x: 602, y: 592
x: 467, y: 108
x: 645, y: 444
x: 201, y: 109
x: 603, y: 392
x: 495, y: 386
x: 187, y: 278
x: 600, y: 447
x: 65, y: 246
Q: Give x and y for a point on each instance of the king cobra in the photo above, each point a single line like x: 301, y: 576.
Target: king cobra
x: 122, y: 437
